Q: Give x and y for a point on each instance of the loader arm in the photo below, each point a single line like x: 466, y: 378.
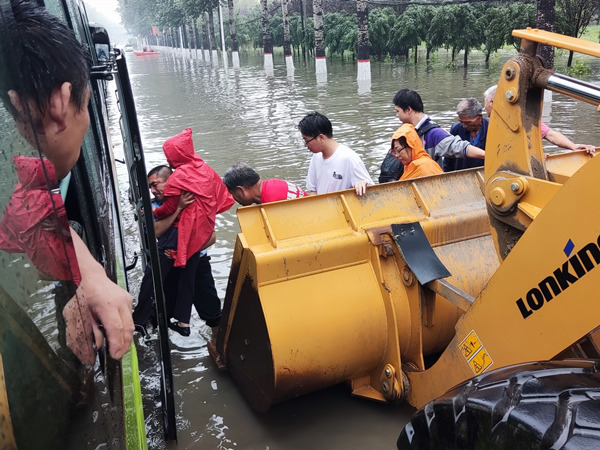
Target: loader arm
x: 518, y: 184
x: 546, y: 229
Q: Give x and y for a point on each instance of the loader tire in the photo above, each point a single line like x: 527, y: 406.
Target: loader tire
x: 544, y: 405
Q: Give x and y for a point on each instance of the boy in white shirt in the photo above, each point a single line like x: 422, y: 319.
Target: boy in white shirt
x: 334, y: 166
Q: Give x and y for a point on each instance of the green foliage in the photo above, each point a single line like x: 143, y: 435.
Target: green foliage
x: 518, y: 16
x: 458, y: 26
x: 381, y: 22
x: 341, y: 33
x: 580, y: 68
x: 461, y: 27
x: 410, y: 29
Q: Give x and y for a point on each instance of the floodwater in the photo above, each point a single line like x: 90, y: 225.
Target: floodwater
x: 248, y: 115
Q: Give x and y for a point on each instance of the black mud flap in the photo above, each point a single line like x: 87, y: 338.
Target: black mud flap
x: 418, y: 253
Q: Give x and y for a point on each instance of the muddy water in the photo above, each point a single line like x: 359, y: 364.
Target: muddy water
x: 245, y: 115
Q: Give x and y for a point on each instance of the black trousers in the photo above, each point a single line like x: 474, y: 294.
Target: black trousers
x: 183, y: 287
x: 178, y: 279
x: 205, y: 299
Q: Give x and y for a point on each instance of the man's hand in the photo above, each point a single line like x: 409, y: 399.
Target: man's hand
x: 97, y: 301
x: 589, y: 149
x: 361, y: 187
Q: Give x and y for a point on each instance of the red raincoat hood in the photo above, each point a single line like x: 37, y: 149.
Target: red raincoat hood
x: 179, y: 150
x: 192, y: 174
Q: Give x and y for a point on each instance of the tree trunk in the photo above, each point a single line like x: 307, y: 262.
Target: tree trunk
x: 287, y: 48
x: 266, y: 34
x: 320, y: 62
x: 545, y: 21
x: 570, y: 60
x: 318, y: 24
x: 303, y: 20
x: 186, y: 40
x: 428, y: 55
x: 211, y: 28
x: 232, y: 32
x: 466, y: 57
x: 416, y: 49
x: 206, y: 38
x: 362, y: 16
x: 197, y: 42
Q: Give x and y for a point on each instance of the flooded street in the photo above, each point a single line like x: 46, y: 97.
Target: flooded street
x: 245, y: 115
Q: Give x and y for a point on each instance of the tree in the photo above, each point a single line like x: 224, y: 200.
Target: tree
x: 266, y: 34
x: 545, y: 21
x: 340, y: 33
x: 411, y: 29
x: 458, y: 26
x: 574, y: 17
x: 381, y: 22
x: 320, y: 62
x: 318, y: 26
x: 362, y: 18
x: 287, y: 48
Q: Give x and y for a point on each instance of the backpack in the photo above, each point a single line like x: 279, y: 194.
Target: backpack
x: 391, y: 168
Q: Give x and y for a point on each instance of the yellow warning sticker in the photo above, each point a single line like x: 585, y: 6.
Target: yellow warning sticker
x: 470, y: 345
x: 480, y: 362
x: 475, y: 353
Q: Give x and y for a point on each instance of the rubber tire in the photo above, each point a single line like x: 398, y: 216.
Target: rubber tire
x: 544, y: 405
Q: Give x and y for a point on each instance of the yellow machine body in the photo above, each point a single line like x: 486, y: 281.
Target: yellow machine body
x: 320, y: 291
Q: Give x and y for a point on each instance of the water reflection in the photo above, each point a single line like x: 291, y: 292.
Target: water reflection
x: 246, y: 115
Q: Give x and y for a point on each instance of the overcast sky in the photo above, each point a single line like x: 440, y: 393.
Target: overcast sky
x: 104, y: 12
x: 107, y: 7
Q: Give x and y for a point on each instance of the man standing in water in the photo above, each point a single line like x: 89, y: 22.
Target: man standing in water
x: 333, y: 167
x: 195, y: 225
x: 205, y: 300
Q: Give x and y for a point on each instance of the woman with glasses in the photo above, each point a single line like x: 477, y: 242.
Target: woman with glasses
x: 408, y: 149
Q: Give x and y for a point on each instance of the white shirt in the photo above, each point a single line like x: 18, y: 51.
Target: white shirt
x: 342, y: 170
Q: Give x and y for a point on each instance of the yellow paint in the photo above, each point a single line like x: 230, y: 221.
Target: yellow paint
x: 7, y: 438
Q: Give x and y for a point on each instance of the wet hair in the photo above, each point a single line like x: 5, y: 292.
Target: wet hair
x: 490, y: 92
x: 314, y: 124
x: 406, y: 98
x: 240, y: 174
x: 469, y: 107
x: 162, y: 171
x: 38, y: 53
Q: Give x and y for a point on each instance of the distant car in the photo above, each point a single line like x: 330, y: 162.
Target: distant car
x: 128, y: 48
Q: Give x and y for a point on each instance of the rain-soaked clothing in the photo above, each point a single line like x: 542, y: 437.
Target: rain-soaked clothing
x: 35, y: 221
x: 421, y: 164
x: 197, y: 221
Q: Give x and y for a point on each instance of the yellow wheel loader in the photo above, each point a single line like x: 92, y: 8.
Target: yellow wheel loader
x: 485, y: 282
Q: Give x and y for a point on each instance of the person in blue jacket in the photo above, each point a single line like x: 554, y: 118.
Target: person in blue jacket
x: 471, y: 127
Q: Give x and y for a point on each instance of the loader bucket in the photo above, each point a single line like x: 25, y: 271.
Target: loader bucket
x: 320, y: 292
